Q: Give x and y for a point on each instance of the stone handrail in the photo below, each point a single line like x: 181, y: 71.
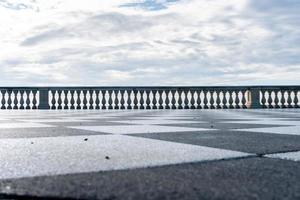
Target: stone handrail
x: 186, y: 97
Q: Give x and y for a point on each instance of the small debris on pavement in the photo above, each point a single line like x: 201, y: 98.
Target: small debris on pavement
x: 85, y: 139
x: 107, y: 157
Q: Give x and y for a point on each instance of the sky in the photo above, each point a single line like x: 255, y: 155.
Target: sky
x: 149, y: 42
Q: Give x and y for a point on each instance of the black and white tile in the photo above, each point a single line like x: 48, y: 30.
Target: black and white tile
x: 40, y: 143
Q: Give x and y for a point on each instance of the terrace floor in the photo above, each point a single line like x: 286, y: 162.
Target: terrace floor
x: 150, y: 154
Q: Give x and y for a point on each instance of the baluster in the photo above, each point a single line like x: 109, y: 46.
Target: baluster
x: 173, y: 100
x: 154, y: 101
x: 179, y: 99
x: 192, y: 99
x: 276, y: 100
x: 84, y: 101
x: 22, y: 99
x: 186, y: 100
x: 230, y: 100
x: 15, y: 99
x: 122, y: 99
x: 198, y: 99
x: 72, y: 100
x: 167, y: 100
x: 224, y: 100
x: 244, y: 100
x: 160, y: 100
x: 116, y: 101
x: 110, y: 106
x: 289, y: 100
x: 148, y: 99
x: 270, y: 99
x: 129, y: 101
x: 59, y: 100
x: 263, y: 100
x: 237, y: 99
x: 205, y: 100
x: 211, y: 100
x: 53, y: 100
x: 66, y: 100
x: 135, y: 100
x: 9, y: 101
x: 3, y: 99
x: 27, y: 99
x: 218, y: 101
x: 91, y: 99
x: 103, y: 99
x: 78, y: 100
x: 282, y: 100
x: 97, y: 102
x: 34, y: 101
x: 296, y: 99
x: 142, y: 100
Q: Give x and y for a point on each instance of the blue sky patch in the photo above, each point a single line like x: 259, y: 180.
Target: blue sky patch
x: 14, y: 6
x: 151, y: 5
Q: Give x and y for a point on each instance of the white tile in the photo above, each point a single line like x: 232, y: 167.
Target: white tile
x: 5, y: 119
x: 285, y: 112
x: 133, y: 129
x: 266, y: 121
x: 295, y: 156
x: 54, y: 120
x: 166, y: 117
x: 65, y: 155
x: 157, y: 121
x: 98, y: 116
x: 23, y: 125
x: 288, y: 130
x: 88, y: 117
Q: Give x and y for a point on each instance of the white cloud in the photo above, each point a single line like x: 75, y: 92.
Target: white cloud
x: 187, y: 42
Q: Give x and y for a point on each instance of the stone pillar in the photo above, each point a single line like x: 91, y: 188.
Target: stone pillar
x: 44, y: 98
x: 254, y: 98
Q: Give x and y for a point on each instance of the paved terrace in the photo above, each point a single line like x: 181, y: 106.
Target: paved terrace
x: 150, y: 154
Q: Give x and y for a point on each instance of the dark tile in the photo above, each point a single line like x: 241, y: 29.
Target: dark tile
x: 252, y: 178
x: 260, y: 143
x: 44, y: 132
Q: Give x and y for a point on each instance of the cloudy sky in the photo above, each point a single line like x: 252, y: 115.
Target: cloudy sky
x: 149, y: 42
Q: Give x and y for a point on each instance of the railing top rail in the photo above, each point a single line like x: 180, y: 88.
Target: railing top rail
x: 153, y: 87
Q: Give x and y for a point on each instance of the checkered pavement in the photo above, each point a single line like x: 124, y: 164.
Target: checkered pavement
x: 47, y: 143
x: 59, y: 142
